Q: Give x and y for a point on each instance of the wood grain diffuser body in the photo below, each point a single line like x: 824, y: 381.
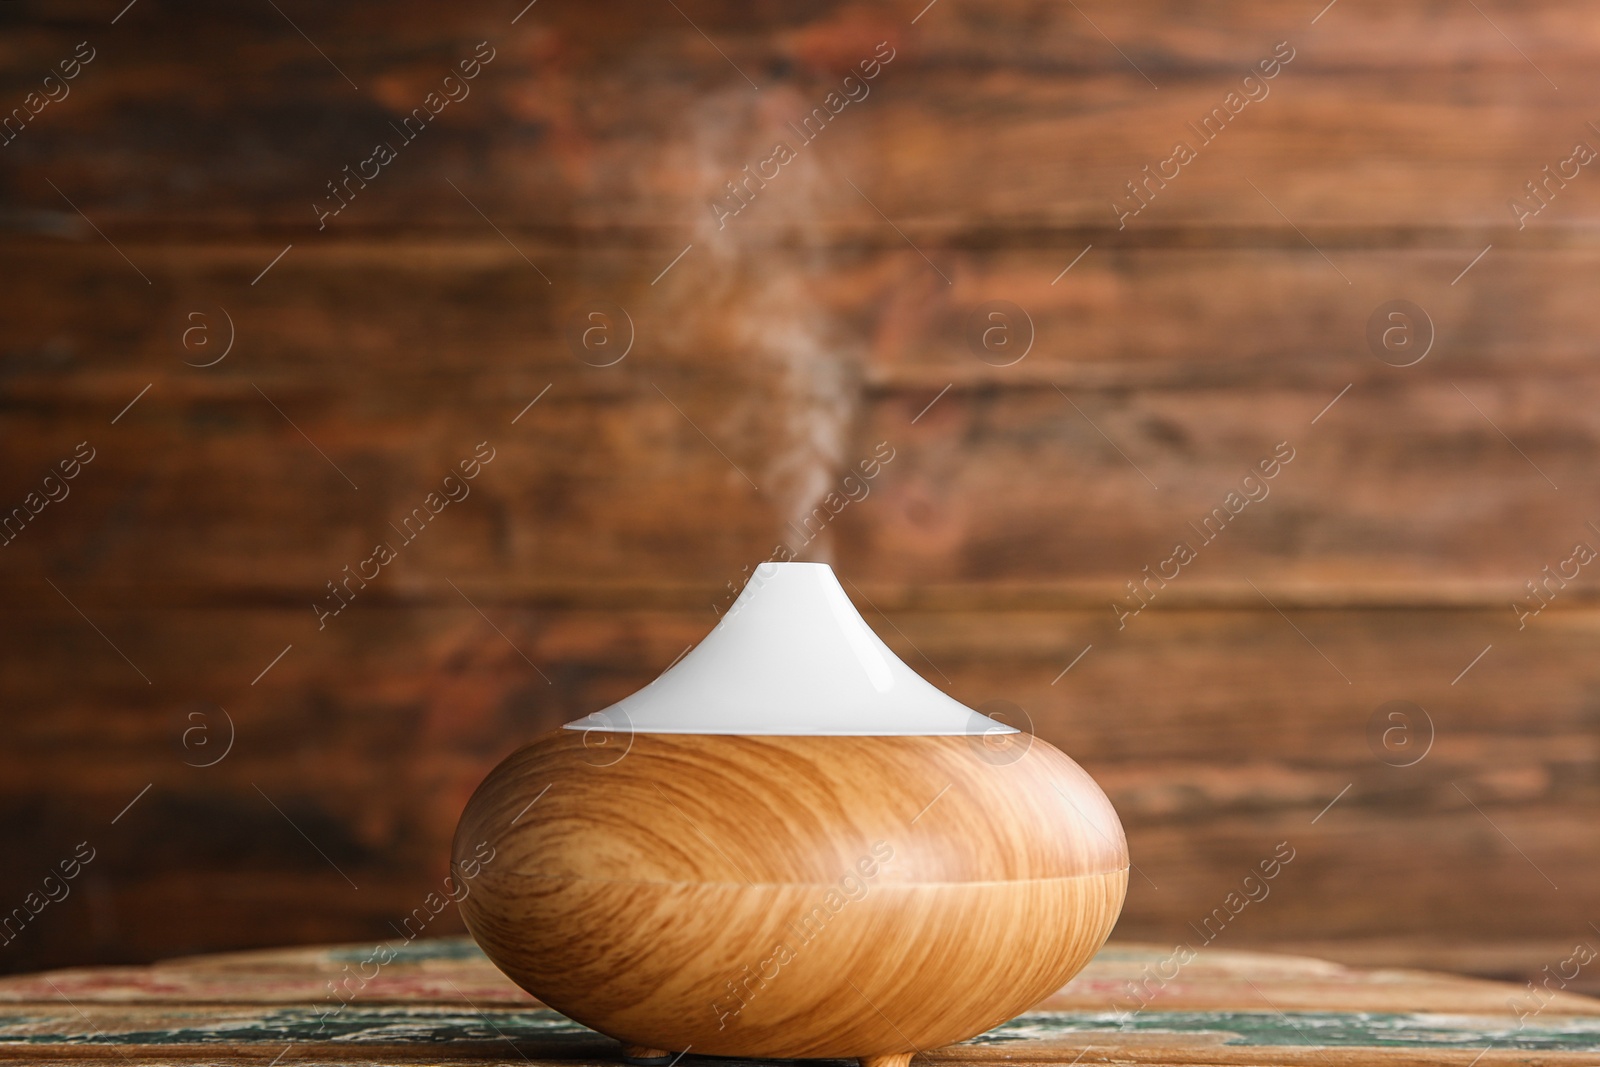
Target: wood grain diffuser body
x: 790, y: 845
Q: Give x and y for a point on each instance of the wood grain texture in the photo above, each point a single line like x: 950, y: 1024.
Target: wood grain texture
x: 466, y: 312
x: 641, y: 124
x: 791, y: 810
x: 789, y: 896
x: 767, y: 970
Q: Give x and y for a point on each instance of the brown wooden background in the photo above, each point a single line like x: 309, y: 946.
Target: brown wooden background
x: 767, y: 361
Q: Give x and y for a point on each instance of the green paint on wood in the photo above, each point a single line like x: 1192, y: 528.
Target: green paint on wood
x: 422, y: 950
x: 388, y: 1025
x: 432, y: 1025
x: 1312, y: 1028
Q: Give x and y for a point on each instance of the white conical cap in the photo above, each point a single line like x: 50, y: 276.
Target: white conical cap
x: 791, y: 656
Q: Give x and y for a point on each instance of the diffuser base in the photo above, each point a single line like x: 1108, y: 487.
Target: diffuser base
x: 785, y: 897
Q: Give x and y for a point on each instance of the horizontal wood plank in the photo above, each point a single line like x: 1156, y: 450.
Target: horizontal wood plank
x: 1017, y: 117
x: 1035, y: 490
x: 474, y: 318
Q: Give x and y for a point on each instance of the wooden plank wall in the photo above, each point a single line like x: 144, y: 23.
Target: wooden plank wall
x: 170, y: 201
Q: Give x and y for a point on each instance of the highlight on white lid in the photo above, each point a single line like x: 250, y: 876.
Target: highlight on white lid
x: 792, y: 656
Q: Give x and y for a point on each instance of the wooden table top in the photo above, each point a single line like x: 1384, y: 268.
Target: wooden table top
x: 441, y: 1002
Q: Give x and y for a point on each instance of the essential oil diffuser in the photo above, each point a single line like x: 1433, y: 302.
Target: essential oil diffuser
x: 790, y: 845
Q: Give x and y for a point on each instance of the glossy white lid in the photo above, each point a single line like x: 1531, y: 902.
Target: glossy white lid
x: 791, y: 656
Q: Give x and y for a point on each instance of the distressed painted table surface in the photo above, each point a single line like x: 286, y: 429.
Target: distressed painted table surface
x: 442, y: 1002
